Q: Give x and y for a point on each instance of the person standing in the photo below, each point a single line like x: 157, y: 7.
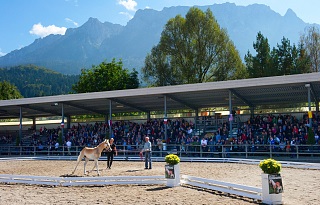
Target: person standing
x: 56, y: 147
x: 69, y: 146
x: 147, y: 150
x: 111, y: 153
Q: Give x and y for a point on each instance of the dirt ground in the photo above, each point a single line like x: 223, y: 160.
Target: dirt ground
x: 301, y: 186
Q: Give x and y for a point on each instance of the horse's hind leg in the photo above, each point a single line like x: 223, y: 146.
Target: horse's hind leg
x: 85, y: 164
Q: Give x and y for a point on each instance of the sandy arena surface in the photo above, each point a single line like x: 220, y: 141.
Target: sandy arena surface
x: 301, y: 186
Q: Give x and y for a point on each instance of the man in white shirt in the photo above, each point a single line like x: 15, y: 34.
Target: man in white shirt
x: 56, y: 147
x: 69, y: 146
x: 189, y: 132
x: 147, y: 150
x: 204, y: 143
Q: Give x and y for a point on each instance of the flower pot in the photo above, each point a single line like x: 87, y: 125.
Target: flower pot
x: 172, y: 173
x: 272, y: 188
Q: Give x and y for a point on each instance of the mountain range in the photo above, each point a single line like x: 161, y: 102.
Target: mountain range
x: 95, y: 42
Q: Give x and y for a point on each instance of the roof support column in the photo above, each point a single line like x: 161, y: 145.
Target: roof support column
x: 110, y: 119
x: 230, y: 114
x: 196, y: 118
x: 20, y: 126
x: 165, y: 118
x: 148, y: 116
x: 309, y: 102
x: 34, y: 123
x: 252, y: 112
x: 62, y: 123
x: 68, y: 122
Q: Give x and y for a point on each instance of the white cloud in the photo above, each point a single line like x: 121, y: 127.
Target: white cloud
x: 39, y: 30
x: 126, y: 14
x: 74, y: 1
x: 71, y: 21
x: 2, y: 53
x: 128, y: 4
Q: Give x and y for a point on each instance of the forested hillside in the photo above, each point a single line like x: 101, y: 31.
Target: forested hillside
x: 34, y: 81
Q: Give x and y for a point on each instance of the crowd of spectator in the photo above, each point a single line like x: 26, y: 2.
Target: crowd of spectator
x: 282, y: 131
x: 6, y: 139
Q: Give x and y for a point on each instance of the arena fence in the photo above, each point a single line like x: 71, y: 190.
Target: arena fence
x: 292, y: 164
x: 226, y: 187
x: 298, y: 152
x: 82, y: 181
x: 187, y: 181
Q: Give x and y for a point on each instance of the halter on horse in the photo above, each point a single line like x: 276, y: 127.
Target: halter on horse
x: 92, y: 153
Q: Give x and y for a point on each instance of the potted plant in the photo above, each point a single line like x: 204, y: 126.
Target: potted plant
x: 172, y: 159
x: 172, y: 170
x: 272, y: 186
x: 270, y: 166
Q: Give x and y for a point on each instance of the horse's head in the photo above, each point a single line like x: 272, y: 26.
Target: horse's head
x: 107, y: 145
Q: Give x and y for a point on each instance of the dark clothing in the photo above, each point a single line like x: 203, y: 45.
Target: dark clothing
x: 148, y: 160
x: 110, y: 155
x: 113, y: 149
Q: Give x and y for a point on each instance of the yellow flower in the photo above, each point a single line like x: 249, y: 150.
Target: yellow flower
x: 172, y: 159
x: 270, y: 166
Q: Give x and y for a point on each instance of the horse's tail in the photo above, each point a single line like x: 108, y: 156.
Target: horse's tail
x: 81, y: 155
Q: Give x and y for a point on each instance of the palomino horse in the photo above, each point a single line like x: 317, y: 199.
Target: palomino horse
x: 92, y: 153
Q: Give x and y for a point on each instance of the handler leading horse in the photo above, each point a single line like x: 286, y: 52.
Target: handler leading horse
x: 92, y: 153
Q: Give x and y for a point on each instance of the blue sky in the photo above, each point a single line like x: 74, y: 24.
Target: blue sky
x: 23, y: 21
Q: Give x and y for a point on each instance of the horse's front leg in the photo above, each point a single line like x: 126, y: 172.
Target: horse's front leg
x: 96, y: 165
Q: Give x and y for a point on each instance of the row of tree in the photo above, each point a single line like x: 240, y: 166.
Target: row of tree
x: 195, y: 49
x: 192, y: 49
x: 285, y: 59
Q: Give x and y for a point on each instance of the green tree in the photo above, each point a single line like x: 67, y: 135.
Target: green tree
x: 301, y: 61
x: 284, y: 56
x: 9, y: 91
x: 311, y: 139
x: 285, y: 59
x: 311, y: 41
x: 193, y: 49
x: 290, y: 59
x: 260, y: 64
x: 105, y: 77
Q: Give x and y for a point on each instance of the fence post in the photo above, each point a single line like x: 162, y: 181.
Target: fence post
x: 222, y: 151
x: 34, y: 150
x: 297, y: 150
x: 246, y: 151
x: 270, y: 149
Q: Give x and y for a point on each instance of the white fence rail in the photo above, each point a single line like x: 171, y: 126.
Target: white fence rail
x: 81, y: 181
x: 226, y: 187
x: 301, y: 165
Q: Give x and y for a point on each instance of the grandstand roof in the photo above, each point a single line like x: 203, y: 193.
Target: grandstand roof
x: 252, y: 92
